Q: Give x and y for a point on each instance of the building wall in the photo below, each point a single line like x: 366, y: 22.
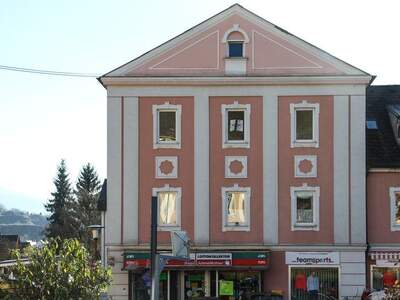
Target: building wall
x: 378, y: 202
x: 254, y: 172
x: 147, y: 156
x: 324, y: 179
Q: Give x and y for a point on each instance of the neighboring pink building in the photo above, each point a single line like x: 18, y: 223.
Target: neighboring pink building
x: 383, y: 185
x: 254, y: 142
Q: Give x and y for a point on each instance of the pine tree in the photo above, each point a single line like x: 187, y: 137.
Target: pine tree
x: 86, y: 193
x: 61, y: 221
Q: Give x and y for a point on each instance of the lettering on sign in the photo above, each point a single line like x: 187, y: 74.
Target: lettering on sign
x: 312, y: 258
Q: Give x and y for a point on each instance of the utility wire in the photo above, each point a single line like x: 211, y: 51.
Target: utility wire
x: 48, y: 72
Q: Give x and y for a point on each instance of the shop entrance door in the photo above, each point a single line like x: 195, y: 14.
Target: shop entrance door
x: 314, y: 283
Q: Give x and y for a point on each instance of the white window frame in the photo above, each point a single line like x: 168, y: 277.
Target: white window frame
x: 226, y: 40
x: 304, y: 105
x: 225, y: 108
x: 236, y: 188
x: 168, y: 188
x: 314, y: 192
x: 157, y: 108
x: 392, y: 193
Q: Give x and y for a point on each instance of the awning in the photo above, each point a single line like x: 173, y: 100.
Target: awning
x: 385, y: 255
x: 205, y: 260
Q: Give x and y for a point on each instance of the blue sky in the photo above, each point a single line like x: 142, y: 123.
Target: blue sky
x: 45, y: 118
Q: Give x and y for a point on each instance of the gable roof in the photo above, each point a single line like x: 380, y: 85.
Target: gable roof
x: 382, y: 148
x: 298, y: 49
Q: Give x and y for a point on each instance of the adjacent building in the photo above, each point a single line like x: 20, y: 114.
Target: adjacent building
x: 254, y: 142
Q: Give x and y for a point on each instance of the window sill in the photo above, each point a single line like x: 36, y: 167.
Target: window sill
x: 236, y: 145
x: 168, y: 228
x: 304, y: 144
x: 395, y: 228
x: 236, y: 58
x: 305, y: 227
x: 235, y: 228
x: 167, y: 146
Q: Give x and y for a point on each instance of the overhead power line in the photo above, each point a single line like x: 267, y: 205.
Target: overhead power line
x: 48, y: 72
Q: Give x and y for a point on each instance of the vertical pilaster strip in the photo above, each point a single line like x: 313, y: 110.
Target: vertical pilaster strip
x: 341, y: 169
x: 270, y: 169
x: 113, y: 213
x: 201, y: 169
x: 131, y: 169
x: 357, y: 172
x: 122, y: 167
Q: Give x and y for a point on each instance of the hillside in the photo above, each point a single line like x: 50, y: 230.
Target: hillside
x: 28, y: 226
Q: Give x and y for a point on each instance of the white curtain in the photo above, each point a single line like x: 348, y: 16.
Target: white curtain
x: 236, y: 207
x: 167, y: 208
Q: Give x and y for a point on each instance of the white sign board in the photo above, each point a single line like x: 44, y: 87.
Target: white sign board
x: 312, y: 258
x: 388, y: 263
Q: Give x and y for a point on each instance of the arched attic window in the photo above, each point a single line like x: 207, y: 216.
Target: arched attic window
x: 235, y: 39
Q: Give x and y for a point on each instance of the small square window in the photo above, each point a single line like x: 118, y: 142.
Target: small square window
x: 235, y: 49
x: 305, y: 208
x: 167, y: 208
x: 236, y: 206
x: 304, y: 125
x: 166, y: 126
x: 235, y: 125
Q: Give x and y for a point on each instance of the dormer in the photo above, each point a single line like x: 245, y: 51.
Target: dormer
x: 235, y: 40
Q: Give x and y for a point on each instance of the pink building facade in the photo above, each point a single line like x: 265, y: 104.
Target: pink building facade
x: 253, y: 140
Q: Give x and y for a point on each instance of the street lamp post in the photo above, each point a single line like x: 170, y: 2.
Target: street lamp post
x: 95, y: 230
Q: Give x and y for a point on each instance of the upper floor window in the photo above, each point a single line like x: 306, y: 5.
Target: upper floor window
x: 167, y: 126
x: 169, y: 207
x: 235, y: 49
x: 235, y: 125
x: 304, y: 119
x: 305, y: 207
x: 236, y: 208
x: 395, y: 208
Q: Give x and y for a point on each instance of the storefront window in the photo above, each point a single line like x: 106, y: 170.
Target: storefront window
x: 238, y: 285
x: 194, y: 285
x: 142, y: 285
x: 384, y: 277
x: 314, y: 283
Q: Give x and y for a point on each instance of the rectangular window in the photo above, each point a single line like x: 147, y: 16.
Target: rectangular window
x: 167, y: 208
x: 167, y: 126
x: 305, y: 207
x: 395, y: 208
x: 304, y: 125
x: 236, y: 208
x: 236, y: 125
x: 235, y: 49
x: 304, y: 120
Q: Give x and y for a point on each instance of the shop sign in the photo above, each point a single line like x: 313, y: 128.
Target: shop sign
x: 214, y: 259
x: 388, y: 263
x: 312, y: 258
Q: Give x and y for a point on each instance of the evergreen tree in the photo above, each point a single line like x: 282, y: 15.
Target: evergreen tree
x: 61, y: 221
x: 87, y: 192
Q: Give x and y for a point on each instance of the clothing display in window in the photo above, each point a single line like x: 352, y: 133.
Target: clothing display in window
x: 312, y: 283
x: 388, y: 279
x: 300, y: 282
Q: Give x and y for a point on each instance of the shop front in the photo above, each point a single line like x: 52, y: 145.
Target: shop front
x: 313, y: 275
x: 384, y: 269
x: 228, y: 276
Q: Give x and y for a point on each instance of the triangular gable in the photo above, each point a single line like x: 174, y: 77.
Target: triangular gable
x: 270, y: 51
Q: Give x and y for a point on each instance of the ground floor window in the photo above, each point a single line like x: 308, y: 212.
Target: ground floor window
x: 194, y: 284
x: 384, y: 277
x: 314, y: 283
x: 235, y: 285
